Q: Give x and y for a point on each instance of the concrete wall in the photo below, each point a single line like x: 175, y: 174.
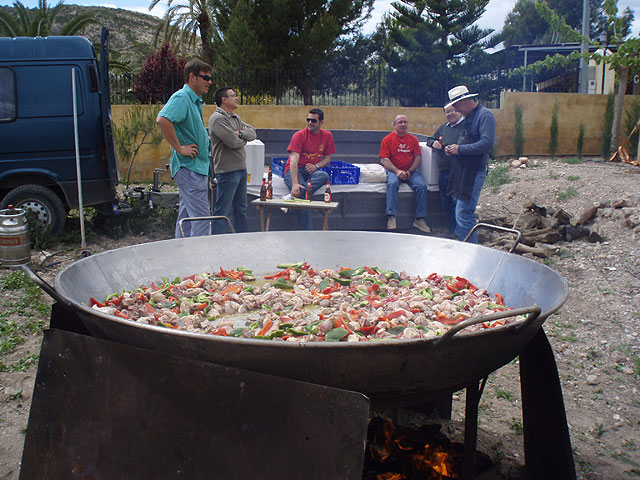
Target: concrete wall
x: 574, y: 109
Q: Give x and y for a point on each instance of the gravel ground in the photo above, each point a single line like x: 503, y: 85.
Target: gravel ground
x: 594, y: 336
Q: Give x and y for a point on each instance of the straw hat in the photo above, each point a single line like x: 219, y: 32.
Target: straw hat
x: 459, y: 93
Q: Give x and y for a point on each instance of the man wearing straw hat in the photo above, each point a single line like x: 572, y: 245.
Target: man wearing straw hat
x: 471, y: 158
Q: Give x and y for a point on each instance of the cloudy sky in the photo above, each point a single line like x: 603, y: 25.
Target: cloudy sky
x: 492, y: 18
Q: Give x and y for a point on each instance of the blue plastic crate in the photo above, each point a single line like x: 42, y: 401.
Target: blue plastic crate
x: 277, y: 165
x: 342, y: 173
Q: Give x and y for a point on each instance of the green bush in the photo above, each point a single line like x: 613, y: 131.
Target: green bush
x: 553, y: 132
x: 580, y: 142
x: 518, y: 136
x: 606, y: 128
x: 631, y: 117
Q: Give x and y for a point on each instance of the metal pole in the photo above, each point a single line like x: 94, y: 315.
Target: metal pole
x: 584, y: 66
x: 83, y: 242
x: 524, y: 76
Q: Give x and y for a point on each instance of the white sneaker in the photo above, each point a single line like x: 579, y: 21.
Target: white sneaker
x: 391, y: 223
x: 421, y: 225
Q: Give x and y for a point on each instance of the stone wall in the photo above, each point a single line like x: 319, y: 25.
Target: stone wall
x: 574, y: 109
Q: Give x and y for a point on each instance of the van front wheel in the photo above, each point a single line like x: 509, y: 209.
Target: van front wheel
x: 42, y: 202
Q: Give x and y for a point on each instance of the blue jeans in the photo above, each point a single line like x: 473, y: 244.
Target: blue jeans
x: 416, y: 182
x: 231, y: 198
x: 317, y: 179
x: 466, y: 211
x: 448, y: 203
x: 194, y: 202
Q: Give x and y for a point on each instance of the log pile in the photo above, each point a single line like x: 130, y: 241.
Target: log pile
x: 543, y: 228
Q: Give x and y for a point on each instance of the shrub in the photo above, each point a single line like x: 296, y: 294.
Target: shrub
x: 553, y: 132
x: 631, y: 117
x: 606, y: 128
x: 518, y: 136
x: 160, y: 76
x: 580, y: 142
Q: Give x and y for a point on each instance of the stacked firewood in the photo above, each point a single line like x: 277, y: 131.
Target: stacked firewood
x: 542, y: 228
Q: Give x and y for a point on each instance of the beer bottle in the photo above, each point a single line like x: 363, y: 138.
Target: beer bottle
x: 270, y: 190
x: 269, y: 178
x: 263, y: 191
x: 309, y: 193
x: 327, y: 193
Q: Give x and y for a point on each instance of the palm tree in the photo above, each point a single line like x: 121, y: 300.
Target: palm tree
x: 184, y: 22
x: 38, y: 22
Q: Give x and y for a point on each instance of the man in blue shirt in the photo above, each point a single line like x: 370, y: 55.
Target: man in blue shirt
x: 181, y: 124
x: 471, y: 158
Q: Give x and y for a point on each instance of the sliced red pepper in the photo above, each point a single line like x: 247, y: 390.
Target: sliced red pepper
x: 93, y: 301
x: 265, y: 328
x: 374, y: 287
x: 282, y: 273
x: 416, y: 310
x: 220, y: 331
x: 435, y: 277
x: 370, y: 329
x: 339, y: 322
x: 201, y: 306
x: 140, y: 297
x: 189, y: 277
x: 197, y: 284
x: 370, y: 271
x: 233, y: 288
x: 333, y: 288
x: 175, y: 309
x: 115, y: 301
x: 396, y: 314
x: 499, y: 299
x: 442, y: 318
x: 121, y: 314
x: 149, y: 308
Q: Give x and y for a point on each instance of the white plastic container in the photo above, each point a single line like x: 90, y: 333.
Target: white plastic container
x: 428, y: 167
x: 255, y: 162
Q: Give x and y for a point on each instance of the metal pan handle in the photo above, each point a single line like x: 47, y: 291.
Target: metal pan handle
x: 533, y: 310
x: 49, y: 290
x: 213, y: 217
x: 517, y: 233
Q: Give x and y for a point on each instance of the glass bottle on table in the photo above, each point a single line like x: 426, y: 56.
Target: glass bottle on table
x: 309, y: 193
x: 269, y: 175
x: 270, y: 190
x: 263, y: 190
x: 327, y: 193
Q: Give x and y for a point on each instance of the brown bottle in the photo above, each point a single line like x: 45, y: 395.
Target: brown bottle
x: 270, y: 190
x: 269, y: 177
x: 263, y: 191
x: 309, y: 193
x: 327, y: 193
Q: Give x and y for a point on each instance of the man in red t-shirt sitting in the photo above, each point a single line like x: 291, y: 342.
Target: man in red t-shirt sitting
x: 310, y: 149
x: 400, y: 155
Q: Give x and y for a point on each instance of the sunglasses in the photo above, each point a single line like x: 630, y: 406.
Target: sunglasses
x: 206, y: 78
x: 312, y: 120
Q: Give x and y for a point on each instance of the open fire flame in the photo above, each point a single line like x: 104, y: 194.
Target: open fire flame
x: 397, y: 453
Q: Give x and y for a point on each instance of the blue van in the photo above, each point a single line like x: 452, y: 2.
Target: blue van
x: 37, y: 140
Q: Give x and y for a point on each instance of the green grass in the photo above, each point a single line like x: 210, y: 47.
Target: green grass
x: 498, y: 176
x: 572, y: 160
x: 516, y: 425
x: 573, y: 178
x: 507, y: 395
x: 567, y: 194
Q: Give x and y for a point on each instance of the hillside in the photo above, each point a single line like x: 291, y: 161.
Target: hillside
x: 131, y: 32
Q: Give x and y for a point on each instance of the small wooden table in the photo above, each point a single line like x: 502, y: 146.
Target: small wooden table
x: 324, y: 207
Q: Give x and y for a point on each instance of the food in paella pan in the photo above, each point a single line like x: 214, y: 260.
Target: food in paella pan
x: 301, y: 304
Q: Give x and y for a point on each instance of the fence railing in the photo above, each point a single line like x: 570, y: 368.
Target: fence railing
x: 360, y: 86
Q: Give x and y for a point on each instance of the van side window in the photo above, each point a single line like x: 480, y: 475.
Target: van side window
x: 7, y: 95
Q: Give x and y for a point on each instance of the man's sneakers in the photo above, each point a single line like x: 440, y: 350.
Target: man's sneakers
x: 391, y: 223
x: 420, y: 224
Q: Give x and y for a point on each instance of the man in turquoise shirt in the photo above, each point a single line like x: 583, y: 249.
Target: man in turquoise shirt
x: 180, y: 122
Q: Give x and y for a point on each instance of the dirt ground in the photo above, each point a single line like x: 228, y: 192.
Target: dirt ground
x: 595, y: 335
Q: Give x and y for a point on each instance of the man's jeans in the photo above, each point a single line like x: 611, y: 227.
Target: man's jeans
x: 465, y: 211
x: 194, y: 202
x: 317, y: 179
x: 448, y: 203
x: 231, y: 198
x: 416, y: 182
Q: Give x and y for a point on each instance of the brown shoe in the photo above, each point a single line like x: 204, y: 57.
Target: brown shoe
x: 391, y: 223
x: 421, y: 225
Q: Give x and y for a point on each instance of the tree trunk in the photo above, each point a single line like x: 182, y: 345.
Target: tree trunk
x: 622, y: 74
x: 204, y: 25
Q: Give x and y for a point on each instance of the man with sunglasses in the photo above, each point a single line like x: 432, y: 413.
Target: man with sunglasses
x: 229, y: 135
x: 310, y: 149
x: 181, y: 124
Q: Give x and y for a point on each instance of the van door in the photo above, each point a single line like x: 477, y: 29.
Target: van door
x: 105, y: 103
